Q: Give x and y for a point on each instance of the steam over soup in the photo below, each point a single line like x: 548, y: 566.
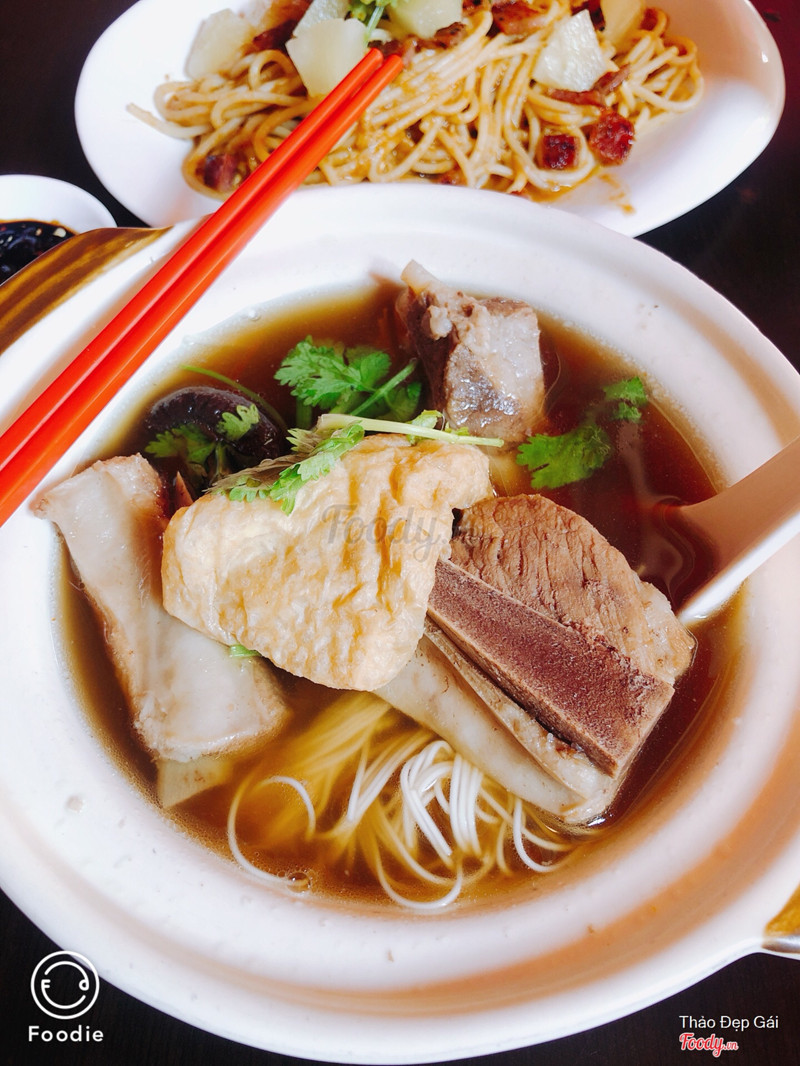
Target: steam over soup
x: 385, y: 651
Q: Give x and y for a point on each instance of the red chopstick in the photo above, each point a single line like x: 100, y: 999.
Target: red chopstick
x: 56, y: 418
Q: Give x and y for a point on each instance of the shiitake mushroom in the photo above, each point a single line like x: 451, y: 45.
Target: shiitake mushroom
x: 188, y: 435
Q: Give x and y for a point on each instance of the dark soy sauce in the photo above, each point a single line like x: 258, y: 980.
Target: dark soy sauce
x: 25, y: 240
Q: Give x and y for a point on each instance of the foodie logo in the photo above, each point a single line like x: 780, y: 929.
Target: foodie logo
x: 65, y: 985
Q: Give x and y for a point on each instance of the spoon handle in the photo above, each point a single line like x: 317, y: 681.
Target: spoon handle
x: 743, y: 526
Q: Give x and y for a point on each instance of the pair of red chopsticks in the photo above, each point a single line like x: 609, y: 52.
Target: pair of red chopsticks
x: 57, y: 417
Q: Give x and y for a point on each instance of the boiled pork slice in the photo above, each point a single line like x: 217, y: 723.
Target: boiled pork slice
x: 481, y: 358
x: 335, y: 591
x: 553, y: 560
x: 554, y: 615
x: 189, y: 698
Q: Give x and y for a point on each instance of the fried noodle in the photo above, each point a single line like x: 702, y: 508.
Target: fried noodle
x: 468, y: 114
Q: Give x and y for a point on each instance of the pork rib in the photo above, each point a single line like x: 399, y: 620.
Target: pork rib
x: 581, y: 690
x: 481, y: 357
x: 553, y: 560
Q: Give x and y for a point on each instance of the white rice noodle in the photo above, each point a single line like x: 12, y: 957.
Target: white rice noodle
x: 420, y: 816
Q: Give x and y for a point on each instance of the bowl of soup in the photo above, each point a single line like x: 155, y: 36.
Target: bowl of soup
x: 305, y: 952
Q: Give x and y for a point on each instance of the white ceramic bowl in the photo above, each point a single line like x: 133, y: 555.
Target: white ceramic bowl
x: 33, y: 196
x: 686, y: 887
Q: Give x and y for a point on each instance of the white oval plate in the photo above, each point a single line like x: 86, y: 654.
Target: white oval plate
x: 669, y: 173
x: 686, y: 886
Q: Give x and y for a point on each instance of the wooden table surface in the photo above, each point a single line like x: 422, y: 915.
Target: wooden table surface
x: 744, y: 243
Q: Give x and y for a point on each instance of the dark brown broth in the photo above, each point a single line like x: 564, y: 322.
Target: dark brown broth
x: 653, y: 461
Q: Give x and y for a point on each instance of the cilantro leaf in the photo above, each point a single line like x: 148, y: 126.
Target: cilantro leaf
x: 403, y: 400
x: 347, y: 381
x: 319, y: 461
x: 559, y: 460
x: 318, y: 375
x: 202, y: 456
x: 234, y: 426
x: 187, y: 442
x: 237, y: 386
x: 373, y: 365
x: 427, y: 419
x: 629, y: 397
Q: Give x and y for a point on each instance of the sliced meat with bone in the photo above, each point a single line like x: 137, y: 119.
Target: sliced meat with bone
x: 552, y: 613
x: 580, y: 689
x: 481, y: 358
x: 444, y: 690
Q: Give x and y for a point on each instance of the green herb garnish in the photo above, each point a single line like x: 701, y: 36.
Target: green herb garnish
x: 185, y: 441
x: 318, y: 460
x: 556, y: 460
x: 629, y: 397
x: 339, y: 384
x: 207, y: 458
x: 239, y: 651
x: 369, y: 13
x: 419, y: 428
x: 258, y: 400
x: 234, y: 426
x: 325, y: 377
x: 572, y: 456
x: 322, y: 447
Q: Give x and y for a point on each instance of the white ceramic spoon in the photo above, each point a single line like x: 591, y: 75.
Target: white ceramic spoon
x: 742, y: 526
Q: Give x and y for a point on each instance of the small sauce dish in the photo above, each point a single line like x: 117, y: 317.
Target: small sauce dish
x: 37, y: 212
